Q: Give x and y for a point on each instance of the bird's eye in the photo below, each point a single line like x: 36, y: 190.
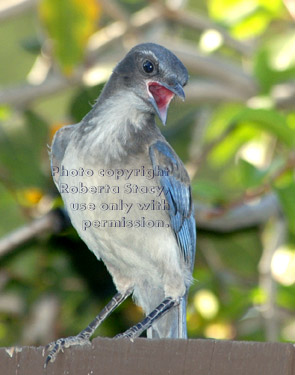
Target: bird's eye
x: 148, y: 66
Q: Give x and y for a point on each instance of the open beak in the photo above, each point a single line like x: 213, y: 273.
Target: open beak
x: 161, y: 95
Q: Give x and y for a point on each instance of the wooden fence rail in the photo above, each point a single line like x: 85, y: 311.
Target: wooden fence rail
x: 143, y: 356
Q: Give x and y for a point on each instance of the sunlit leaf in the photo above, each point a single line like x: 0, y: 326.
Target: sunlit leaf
x: 283, y: 265
x: 245, y: 18
x: 232, y: 143
x: 274, y: 62
x: 291, y: 120
x: 219, y: 331
x: 221, y: 119
x: 268, y: 120
x: 254, y: 24
x: 258, y: 296
x: 281, y: 51
x: 206, y: 303
x: 5, y: 112
x: 230, y: 10
x: 69, y: 24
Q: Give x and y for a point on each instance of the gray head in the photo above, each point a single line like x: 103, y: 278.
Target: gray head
x: 153, y: 74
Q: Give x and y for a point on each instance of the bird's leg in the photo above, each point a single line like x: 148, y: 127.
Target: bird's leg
x: 159, y: 311
x: 83, y: 337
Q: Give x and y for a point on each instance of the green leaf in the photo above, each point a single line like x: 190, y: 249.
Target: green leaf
x: 268, y: 120
x: 13, y: 216
x: 38, y: 131
x: 227, y: 149
x: 208, y: 190
x: 221, y: 117
x: 245, y: 18
x: 69, y: 23
x: 253, y: 24
x: 285, y: 188
x: 83, y: 101
x: 250, y: 175
x: 239, y: 9
x: 23, y: 145
x: 263, y: 71
x: 272, y: 66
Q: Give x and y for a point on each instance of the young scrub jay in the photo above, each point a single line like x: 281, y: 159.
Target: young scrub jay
x: 128, y: 194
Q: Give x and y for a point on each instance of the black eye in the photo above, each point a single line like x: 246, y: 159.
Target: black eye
x: 148, y: 66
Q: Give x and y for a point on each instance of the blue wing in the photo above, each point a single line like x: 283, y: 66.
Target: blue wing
x: 176, y: 183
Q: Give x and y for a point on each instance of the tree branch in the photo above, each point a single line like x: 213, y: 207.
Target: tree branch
x: 22, y: 94
x: 273, y: 238
x: 12, y: 8
x: 256, y: 193
x: 115, y: 10
x: 197, y: 160
x: 52, y: 222
x: 245, y: 215
x: 284, y: 95
x: 114, y: 32
x: 200, y: 23
x: 214, y: 67
x: 197, y: 91
x: 207, y: 91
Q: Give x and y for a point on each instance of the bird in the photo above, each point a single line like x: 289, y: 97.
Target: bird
x: 128, y: 194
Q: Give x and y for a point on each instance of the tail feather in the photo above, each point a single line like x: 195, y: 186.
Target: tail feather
x: 172, y: 324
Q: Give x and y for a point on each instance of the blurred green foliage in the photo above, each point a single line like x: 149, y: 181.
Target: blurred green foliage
x: 227, y: 297
x: 69, y: 24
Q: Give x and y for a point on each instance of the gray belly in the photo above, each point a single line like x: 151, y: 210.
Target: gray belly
x: 121, y: 216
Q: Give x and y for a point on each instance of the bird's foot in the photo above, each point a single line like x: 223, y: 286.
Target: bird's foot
x: 137, y: 329
x: 59, y: 345
x: 130, y: 334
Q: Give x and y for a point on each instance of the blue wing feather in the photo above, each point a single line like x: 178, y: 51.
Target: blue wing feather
x: 178, y: 195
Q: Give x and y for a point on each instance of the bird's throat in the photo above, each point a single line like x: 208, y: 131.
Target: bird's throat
x: 162, y: 97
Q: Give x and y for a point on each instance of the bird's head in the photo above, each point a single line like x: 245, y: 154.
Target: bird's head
x: 155, y: 75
